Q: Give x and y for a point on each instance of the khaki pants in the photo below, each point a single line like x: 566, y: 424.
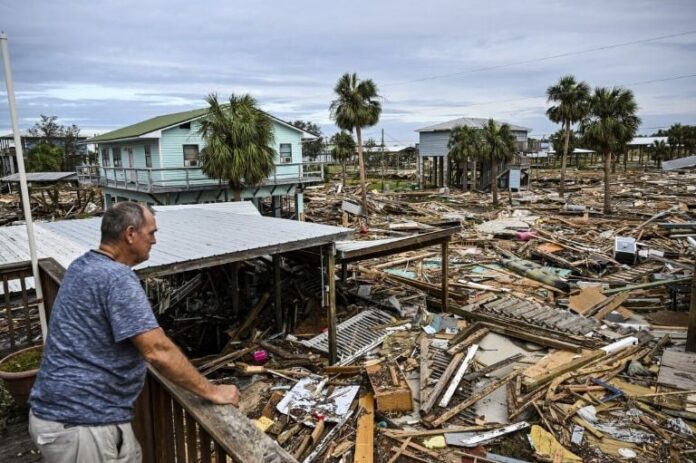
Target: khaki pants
x: 84, y: 444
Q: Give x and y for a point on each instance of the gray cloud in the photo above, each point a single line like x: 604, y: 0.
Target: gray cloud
x: 106, y: 64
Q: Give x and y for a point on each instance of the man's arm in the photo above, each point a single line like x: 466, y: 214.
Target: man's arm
x: 160, y: 352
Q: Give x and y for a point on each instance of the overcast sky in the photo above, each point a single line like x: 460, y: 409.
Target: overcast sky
x: 107, y: 64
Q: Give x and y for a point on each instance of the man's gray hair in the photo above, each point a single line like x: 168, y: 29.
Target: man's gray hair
x: 121, y: 216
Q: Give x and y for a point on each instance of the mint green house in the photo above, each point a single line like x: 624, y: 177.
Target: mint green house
x: 156, y: 162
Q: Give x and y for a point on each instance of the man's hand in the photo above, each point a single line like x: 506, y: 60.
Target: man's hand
x: 160, y: 352
x: 222, y: 394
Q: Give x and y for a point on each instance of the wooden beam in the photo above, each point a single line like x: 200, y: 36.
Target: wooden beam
x: 394, y: 247
x: 442, y: 383
x: 444, y: 264
x: 478, y: 395
x: 691, y: 332
x: 276, y: 293
x: 331, y: 277
x: 365, y: 434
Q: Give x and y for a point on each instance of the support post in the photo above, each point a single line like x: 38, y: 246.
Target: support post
x: 275, y: 205
x: 691, y: 333
x: 235, y: 289
x: 276, y: 293
x: 299, y: 206
x: 445, y: 274
x: 331, y: 277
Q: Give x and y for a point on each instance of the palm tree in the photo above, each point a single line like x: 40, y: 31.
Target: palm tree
x: 659, y: 150
x: 572, y: 98
x: 675, y: 138
x: 343, y: 150
x: 610, y: 125
x: 238, y: 139
x: 499, y: 144
x: 464, y: 144
x: 356, y: 106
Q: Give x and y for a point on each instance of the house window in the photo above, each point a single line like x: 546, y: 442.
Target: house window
x: 116, y: 151
x: 105, y: 157
x: 285, y: 153
x: 148, y: 156
x: 191, y: 155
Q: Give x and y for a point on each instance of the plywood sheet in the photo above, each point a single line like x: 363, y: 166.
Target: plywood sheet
x: 678, y: 370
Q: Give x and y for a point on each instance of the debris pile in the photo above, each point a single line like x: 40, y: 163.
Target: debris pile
x: 52, y: 202
x: 563, y: 339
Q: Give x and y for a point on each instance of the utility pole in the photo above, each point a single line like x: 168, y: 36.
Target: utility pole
x: 26, y: 200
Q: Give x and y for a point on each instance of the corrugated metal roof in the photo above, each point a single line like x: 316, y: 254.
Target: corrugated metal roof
x: 681, y: 163
x: 475, y: 122
x: 347, y: 246
x: 644, y: 141
x: 41, y: 177
x: 185, y: 234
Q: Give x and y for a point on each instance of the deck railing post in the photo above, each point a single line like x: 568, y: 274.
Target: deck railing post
x: 149, y: 180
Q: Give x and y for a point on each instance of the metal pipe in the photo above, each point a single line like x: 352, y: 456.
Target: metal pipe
x: 19, y: 154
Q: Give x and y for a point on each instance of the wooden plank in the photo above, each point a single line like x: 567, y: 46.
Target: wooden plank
x: 331, y: 277
x: 191, y: 439
x: 548, y: 375
x: 586, y: 299
x: 229, y: 428
x: 678, y: 370
x: 206, y: 444
x: 365, y: 434
x: 460, y: 407
x: 8, y: 312
x: 277, y: 304
x: 425, y: 370
x: 442, y: 383
x: 179, y: 437
x: 444, y: 264
x: 458, y: 376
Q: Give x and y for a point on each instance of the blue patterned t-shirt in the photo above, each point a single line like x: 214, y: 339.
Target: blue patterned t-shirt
x: 91, y: 373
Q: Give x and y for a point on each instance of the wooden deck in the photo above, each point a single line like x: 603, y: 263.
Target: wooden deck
x: 15, y: 443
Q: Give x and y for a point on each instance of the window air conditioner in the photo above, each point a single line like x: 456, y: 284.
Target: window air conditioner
x: 191, y: 163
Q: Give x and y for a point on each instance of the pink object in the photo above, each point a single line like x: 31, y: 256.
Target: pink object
x: 525, y: 235
x: 259, y: 356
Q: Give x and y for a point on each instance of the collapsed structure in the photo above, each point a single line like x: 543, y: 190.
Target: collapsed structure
x: 543, y: 332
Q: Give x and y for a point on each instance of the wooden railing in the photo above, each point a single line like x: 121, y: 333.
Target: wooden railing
x: 171, y: 424
x: 157, y: 180
x: 19, y: 314
x: 174, y: 425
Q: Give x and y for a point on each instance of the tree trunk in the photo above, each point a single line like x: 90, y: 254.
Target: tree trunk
x: 465, y: 174
x: 494, y: 180
x: 343, y: 165
x: 361, y: 162
x: 561, y: 186
x: 474, y: 185
x: 607, y: 191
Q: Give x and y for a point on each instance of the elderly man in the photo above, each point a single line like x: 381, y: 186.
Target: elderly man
x: 101, y: 333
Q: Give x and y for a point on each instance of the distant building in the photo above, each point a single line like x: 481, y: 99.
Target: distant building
x: 433, y: 163
x: 156, y: 162
x: 8, y: 161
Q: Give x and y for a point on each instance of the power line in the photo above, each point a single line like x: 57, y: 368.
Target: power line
x: 544, y: 58
x: 632, y: 84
